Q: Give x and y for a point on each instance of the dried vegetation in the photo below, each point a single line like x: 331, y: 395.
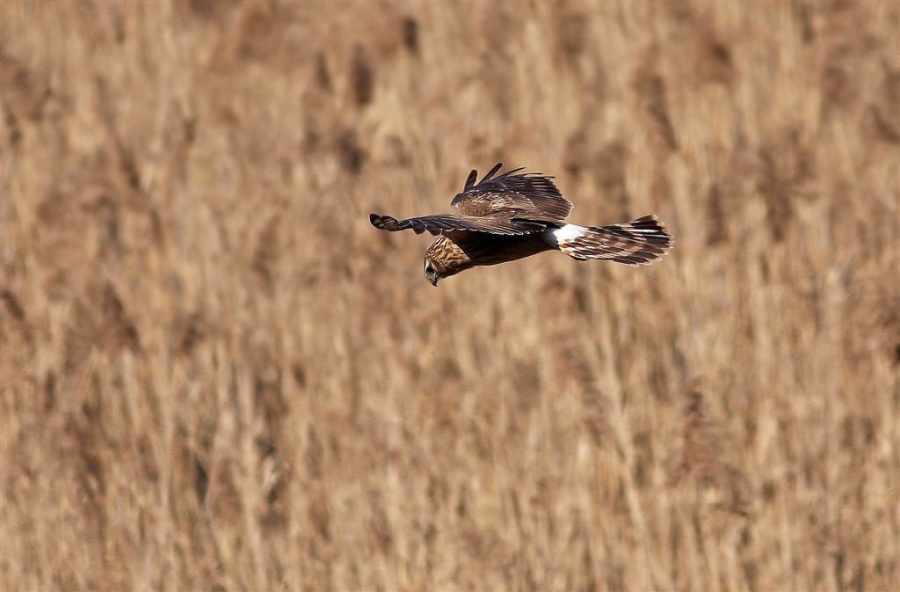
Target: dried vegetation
x: 217, y: 375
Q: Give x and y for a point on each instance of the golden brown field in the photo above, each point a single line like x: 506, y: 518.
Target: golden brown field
x: 216, y: 375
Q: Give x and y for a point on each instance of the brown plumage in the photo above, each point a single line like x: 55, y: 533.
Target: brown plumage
x: 516, y: 215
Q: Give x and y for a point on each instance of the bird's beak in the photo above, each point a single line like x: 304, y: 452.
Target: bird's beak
x: 434, y: 281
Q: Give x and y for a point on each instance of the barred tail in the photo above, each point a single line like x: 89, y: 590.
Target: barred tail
x: 640, y: 241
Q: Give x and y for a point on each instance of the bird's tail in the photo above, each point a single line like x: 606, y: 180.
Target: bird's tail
x: 639, y: 241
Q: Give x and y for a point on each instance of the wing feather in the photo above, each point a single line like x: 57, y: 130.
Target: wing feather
x: 470, y: 180
x: 513, y: 194
x: 490, y: 174
x: 448, y: 223
x: 511, y: 204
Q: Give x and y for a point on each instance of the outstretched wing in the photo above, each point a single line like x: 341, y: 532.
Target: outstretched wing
x: 512, y: 194
x: 449, y: 224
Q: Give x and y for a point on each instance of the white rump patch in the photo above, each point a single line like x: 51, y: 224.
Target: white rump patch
x: 569, y: 232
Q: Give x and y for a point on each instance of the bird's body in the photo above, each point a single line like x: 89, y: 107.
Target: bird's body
x: 469, y: 251
x: 512, y: 216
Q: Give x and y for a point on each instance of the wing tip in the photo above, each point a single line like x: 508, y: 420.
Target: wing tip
x: 470, y: 180
x: 491, y: 173
x: 393, y: 225
x: 383, y: 222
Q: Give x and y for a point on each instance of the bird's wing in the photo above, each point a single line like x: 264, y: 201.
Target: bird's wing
x: 453, y: 223
x: 513, y: 194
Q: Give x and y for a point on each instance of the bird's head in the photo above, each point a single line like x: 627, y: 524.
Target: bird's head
x: 443, y: 259
x: 431, y: 271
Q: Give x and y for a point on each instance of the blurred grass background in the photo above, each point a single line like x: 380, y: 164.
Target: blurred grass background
x: 217, y: 375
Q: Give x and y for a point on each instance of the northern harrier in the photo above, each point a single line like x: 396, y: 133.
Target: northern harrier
x: 516, y: 215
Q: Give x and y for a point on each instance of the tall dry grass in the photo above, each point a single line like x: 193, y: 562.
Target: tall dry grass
x: 217, y: 375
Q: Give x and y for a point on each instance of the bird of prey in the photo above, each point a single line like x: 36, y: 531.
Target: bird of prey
x: 514, y: 215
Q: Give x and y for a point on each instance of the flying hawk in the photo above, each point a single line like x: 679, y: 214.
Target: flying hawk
x: 516, y: 215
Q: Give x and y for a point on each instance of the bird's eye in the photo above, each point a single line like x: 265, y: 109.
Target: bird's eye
x: 429, y: 268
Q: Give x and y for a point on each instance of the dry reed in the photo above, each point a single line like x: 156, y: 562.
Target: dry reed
x: 217, y: 375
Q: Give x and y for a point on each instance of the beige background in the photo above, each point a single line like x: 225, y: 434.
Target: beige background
x: 217, y: 375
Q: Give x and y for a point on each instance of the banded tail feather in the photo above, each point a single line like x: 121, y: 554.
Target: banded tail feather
x: 638, y: 242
